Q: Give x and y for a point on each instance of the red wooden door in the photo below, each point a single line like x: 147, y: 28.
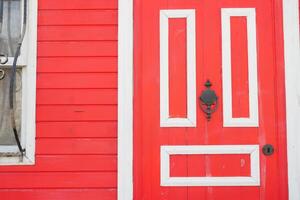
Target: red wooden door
x: 180, y: 154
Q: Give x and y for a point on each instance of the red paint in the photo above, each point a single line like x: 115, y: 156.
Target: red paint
x: 71, y: 33
x: 77, y: 4
x: 67, y: 163
x: 227, y: 165
x: 239, y: 67
x: 45, y: 180
x: 78, y: 17
x: 77, y: 48
x: 177, y: 73
x: 74, y: 96
x: 77, y: 64
x: 76, y: 145
x: 148, y: 136
x: 84, y: 80
x: 77, y: 129
x: 58, y: 194
x: 79, y: 146
x: 76, y: 113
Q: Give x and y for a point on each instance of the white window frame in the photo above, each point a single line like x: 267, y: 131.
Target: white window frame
x: 27, y: 60
x: 125, y: 97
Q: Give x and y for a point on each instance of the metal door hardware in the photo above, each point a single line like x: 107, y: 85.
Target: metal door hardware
x: 2, y: 74
x: 208, y: 100
x: 268, y: 149
x: 3, y: 59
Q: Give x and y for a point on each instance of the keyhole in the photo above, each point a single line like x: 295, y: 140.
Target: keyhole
x: 268, y: 149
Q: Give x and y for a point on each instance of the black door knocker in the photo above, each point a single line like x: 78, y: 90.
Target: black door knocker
x: 208, y: 100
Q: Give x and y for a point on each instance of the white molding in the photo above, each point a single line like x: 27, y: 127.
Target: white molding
x: 125, y: 100
x: 252, y: 180
x: 28, y: 60
x: 165, y: 119
x: 292, y: 86
x: 228, y: 120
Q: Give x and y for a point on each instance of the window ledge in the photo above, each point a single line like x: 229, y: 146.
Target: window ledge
x: 14, y: 159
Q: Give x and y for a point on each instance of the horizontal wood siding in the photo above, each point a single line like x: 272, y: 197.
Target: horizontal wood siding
x: 58, y: 194
x: 76, y: 145
x: 76, y: 64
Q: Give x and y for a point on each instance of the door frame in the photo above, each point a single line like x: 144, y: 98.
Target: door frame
x: 125, y: 96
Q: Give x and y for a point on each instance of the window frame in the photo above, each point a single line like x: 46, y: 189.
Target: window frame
x: 27, y: 61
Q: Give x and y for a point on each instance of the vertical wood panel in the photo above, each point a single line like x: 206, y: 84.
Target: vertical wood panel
x: 177, y: 68
x: 228, y: 119
x: 239, y: 67
x: 165, y: 119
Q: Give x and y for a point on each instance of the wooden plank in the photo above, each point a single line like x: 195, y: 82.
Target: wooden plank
x: 77, y: 64
x: 75, y: 96
x: 76, y: 112
x: 67, y: 33
x: 58, y: 194
x: 67, y: 163
x: 178, y: 68
x: 77, y: 48
x: 78, y: 4
x: 63, y: 146
x: 76, y: 129
x: 58, y: 180
x: 77, y: 80
x: 239, y: 68
x: 77, y: 17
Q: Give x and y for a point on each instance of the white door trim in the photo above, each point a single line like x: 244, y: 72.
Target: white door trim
x: 125, y: 97
x: 125, y: 100
x: 165, y: 119
x: 228, y: 119
x: 292, y: 89
x: 252, y: 180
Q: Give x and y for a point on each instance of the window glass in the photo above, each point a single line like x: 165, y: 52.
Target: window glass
x: 6, y: 132
x: 10, y: 26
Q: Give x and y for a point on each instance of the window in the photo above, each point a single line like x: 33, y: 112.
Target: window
x: 17, y: 17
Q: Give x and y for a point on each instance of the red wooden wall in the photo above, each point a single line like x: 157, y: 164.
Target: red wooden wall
x: 76, y: 106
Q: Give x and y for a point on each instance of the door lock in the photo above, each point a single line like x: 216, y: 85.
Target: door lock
x: 268, y: 149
